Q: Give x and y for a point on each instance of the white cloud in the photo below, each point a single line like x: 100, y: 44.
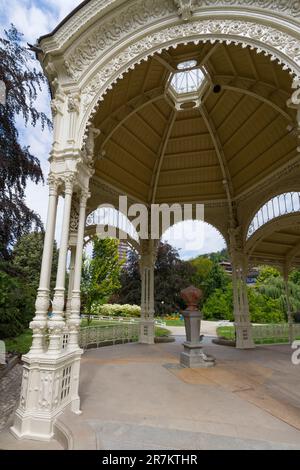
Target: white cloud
x: 35, y: 18
x: 194, y: 238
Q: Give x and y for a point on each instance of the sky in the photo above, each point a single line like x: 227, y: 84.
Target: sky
x: 35, y: 18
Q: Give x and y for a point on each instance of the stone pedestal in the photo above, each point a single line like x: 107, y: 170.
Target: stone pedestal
x: 193, y: 355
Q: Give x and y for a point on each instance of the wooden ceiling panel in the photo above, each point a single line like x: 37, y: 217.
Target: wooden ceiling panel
x: 251, y: 137
x: 198, y: 159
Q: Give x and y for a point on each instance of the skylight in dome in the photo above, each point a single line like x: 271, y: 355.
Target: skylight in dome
x: 189, y: 64
x: 187, y: 80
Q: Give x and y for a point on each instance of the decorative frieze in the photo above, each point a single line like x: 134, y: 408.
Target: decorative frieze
x: 288, y: 7
x: 97, y: 8
x: 136, y: 16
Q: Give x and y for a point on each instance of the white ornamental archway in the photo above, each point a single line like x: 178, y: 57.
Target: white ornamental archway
x: 83, y: 58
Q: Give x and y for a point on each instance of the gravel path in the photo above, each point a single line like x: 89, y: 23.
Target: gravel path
x: 10, y: 386
x: 208, y: 328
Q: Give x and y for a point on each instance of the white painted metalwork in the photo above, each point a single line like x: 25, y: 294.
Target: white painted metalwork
x: 107, y: 216
x: 287, y: 203
x: 276, y: 333
x: 84, y: 57
x: 108, y: 335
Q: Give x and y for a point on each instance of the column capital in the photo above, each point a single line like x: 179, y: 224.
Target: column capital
x: 69, y: 181
x: 53, y: 182
x: 148, y: 252
x: 84, y: 197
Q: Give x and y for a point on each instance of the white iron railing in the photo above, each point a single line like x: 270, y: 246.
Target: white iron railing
x: 276, y: 332
x: 130, y: 320
x: 97, y: 336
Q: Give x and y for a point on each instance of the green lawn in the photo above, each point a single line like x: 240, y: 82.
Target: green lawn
x: 162, y: 332
x: 84, y: 323
x: 226, y: 332
x: 21, y: 344
x: 173, y: 322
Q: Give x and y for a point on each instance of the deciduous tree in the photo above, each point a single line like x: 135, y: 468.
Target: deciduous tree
x: 17, y: 164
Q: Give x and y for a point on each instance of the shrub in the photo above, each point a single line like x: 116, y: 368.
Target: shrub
x: 264, y: 309
x: 16, y: 306
x: 219, y: 305
x: 116, y: 310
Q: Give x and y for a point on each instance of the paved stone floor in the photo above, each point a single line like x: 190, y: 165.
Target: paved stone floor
x: 137, y: 397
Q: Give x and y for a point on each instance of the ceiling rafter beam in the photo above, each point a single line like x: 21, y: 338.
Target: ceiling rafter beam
x: 204, y: 167
x: 261, y: 155
x: 230, y: 61
x: 161, y: 154
x: 295, y: 251
x: 191, y: 152
x: 272, y: 176
x: 252, y: 64
x: 123, y: 149
x: 136, y: 106
x: 264, y: 129
x: 165, y: 63
x: 220, y: 154
x: 252, y: 81
x: 260, y: 98
x: 188, y: 185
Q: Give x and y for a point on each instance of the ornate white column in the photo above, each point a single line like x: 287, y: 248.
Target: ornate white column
x: 56, y: 323
x: 147, y: 264
x: 74, y: 320
x: 243, y: 326
x: 71, y: 280
x: 39, y: 323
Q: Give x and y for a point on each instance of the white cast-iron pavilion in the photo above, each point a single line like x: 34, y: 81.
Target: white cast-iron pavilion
x: 165, y: 101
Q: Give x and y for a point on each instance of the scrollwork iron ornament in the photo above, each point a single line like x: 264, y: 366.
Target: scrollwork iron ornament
x: 74, y: 218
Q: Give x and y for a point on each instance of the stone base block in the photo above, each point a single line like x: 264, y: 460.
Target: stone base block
x: 49, y: 386
x: 196, y: 358
x: 34, y: 427
x: 147, y: 332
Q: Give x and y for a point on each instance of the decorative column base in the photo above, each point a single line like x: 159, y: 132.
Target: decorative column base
x: 147, y: 332
x: 49, y: 386
x: 194, y: 357
x: 243, y: 332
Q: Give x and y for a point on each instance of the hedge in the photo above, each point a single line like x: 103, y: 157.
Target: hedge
x: 116, y: 310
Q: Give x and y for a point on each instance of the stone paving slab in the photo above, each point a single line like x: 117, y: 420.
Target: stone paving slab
x: 126, y: 436
x: 138, y: 397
